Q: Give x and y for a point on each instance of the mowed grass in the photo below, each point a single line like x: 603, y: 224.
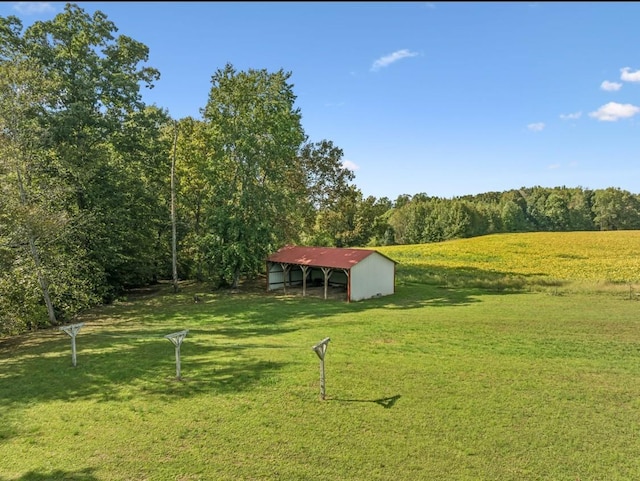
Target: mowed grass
x: 472, y: 377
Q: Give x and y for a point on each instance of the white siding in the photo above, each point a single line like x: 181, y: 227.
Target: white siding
x: 275, y: 277
x: 373, y: 276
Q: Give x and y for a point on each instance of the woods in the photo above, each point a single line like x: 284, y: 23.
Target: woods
x: 97, y: 187
x: 86, y: 172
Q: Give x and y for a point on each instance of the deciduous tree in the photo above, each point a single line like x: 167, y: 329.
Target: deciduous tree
x: 255, y: 133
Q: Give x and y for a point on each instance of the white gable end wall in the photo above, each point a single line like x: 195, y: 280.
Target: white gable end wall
x: 373, y: 276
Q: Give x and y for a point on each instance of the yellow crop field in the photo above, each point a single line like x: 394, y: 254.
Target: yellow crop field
x: 601, y: 257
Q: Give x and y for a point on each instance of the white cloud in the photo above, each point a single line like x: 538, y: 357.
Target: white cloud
x: 610, y: 86
x: 32, y: 8
x: 349, y: 165
x: 537, y: 127
x: 614, y: 111
x: 628, y: 76
x: 573, y: 116
x: 553, y: 166
x: 391, y: 58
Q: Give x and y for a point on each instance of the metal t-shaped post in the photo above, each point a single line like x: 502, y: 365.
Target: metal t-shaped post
x: 321, y: 350
x: 176, y: 339
x: 72, y: 330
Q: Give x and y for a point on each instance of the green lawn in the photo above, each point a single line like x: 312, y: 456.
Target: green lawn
x: 441, y: 381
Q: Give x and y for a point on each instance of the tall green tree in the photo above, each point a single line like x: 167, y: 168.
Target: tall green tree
x: 340, y: 226
x: 373, y: 214
x: 580, y: 213
x: 616, y: 209
x: 255, y: 133
x: 27, y: 216
x: 194, y: 190
x: 132, y: 214
x: 513, y: 217
x: 79, y: 150
x: 90, y: 129
x: 326, y: 182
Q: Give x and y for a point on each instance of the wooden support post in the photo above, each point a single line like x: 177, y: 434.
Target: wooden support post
x: 285, y: 271
x: 176, y: 339
x: 321, y: 350
x: 347, y: 273
x: 72, y: 330
x: 305, y: 270
x: 327, y: 271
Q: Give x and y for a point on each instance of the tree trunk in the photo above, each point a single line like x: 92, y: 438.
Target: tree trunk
x: 174, y: 247
x: 42, y: 280
x: 236, y: 279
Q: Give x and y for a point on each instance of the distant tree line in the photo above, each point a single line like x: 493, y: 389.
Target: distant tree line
x: 97, y: 189
x: 422, y: 219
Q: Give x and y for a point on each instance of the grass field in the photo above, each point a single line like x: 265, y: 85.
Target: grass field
x: 510, y: 357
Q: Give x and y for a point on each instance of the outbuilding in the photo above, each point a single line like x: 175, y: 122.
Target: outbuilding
x: 363, y: 273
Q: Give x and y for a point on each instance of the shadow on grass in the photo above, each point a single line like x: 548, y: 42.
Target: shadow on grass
x: 471, y: 277
x: 122, y: 346
x: 110, y: 367
x: 261, y: 310
x: 57, y: 475
x: 386, y: 402
x: 7, y: 430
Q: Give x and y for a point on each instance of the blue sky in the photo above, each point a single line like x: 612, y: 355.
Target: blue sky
x: 446, y: 99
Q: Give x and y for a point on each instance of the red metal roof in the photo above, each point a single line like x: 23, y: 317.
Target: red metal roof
x: 334, y: 257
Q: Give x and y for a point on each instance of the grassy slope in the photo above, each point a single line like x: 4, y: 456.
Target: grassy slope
x: 525, y: 260
x: 434, y: 382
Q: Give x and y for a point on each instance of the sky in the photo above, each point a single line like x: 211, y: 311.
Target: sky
x: 446, y: 99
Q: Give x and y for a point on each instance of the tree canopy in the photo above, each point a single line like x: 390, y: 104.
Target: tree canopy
x: 254, y: 133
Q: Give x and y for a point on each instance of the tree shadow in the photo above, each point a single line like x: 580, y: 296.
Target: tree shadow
x: 7, y: 430
x: 386, y: 402
x: 416, y: 287
x: 57, y: 475
x: 140, y: 359
x: 123, y: 344
x: 220, y: 379
x: 490, y: 281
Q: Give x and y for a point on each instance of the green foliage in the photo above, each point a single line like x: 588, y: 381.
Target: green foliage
x: 94, y: 164
x: 253, y: 133
x: 326, y: 188
x: 193, y: 197
x: 422, y: 219
x: 513, y: 218
x: 79, y: 166
x: 616, y: 209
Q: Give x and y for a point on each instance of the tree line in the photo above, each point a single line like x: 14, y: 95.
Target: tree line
x: 422, y: 219
x: 98, y: 189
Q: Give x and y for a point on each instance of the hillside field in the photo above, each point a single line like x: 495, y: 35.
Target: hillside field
x: 505, y: 357
x: 528, y: 260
